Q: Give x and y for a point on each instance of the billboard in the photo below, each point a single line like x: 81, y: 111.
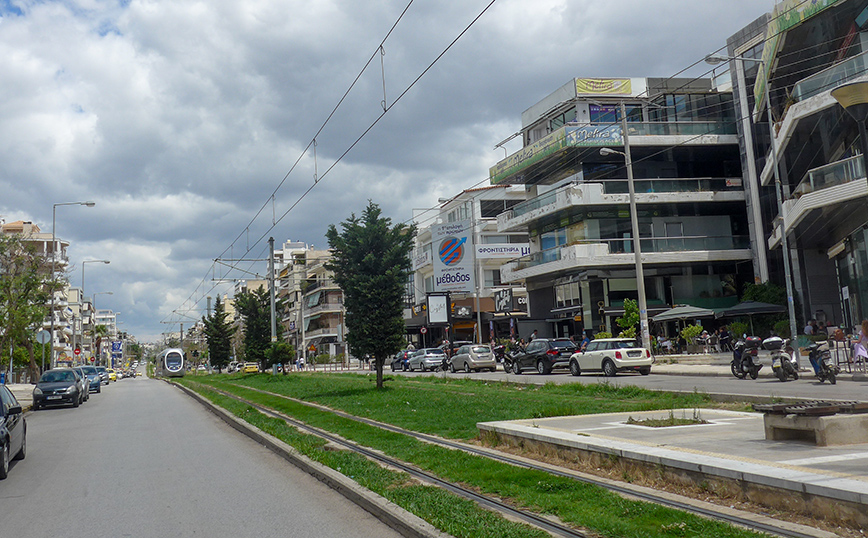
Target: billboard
x: 506, y: 251
x: 453, y: 257
x: 438, y: 309
x: 603, y: 86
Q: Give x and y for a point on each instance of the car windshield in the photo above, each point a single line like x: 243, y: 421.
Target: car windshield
x: 89, y: 370
x: 480, y: 349
x: 435, y: 351
x: 562, y: 343
x: 626, y: 344
x: 54, y: 377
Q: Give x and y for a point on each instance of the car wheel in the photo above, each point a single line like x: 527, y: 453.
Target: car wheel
x: 4, y: 460
x: 645, y: 370
x: 609, y: 368
x: 422, y: 367
x: 466, y: 368
x: 23, y: 452
x: 392, y: 366
x: 36, y: 406
x: 575, y: 369
x: 541, y: 368
x: 507, y: 367
x: 98, y: 389
x: 76, y: 402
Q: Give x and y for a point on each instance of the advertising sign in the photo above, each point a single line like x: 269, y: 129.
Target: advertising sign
x: 503, y: 300
x: 528, y: 155
x: 117, y: 347
x: 603, y: 86
x: 595, y: 135
x: 438, y: 309
x: 421, y: 259
x: 506, y: 251
x: 453, y: 257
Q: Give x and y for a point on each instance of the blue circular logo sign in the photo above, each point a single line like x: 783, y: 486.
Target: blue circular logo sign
x: 452, y: 250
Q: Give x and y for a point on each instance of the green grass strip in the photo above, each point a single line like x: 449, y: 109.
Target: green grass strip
x: 446, y: 511
x: 575, y: 502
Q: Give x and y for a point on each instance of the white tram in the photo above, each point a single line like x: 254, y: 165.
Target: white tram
x: 170, y: 363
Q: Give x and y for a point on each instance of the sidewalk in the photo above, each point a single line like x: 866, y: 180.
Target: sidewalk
x: 717, y: 364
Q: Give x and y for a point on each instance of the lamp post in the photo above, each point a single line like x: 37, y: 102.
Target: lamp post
x: 634, y: 221
x: 791, y: 305
x: 54, y: 262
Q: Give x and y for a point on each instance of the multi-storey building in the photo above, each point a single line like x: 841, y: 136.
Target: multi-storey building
x: 479, y: 206
x: 695, y: 240
x: 806, y: 52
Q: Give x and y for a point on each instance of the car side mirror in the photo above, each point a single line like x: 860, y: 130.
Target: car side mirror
x: 14, y: 410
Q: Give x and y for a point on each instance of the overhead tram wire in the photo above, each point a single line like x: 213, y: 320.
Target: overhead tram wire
x: 386, y: 109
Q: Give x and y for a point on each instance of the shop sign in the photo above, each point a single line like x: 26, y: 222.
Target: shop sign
x: 604, y: 86
x: 503, y: 300
x: 507, y: 251
x: 438, y: 309
x: 595, y: 135
x: 421, y: 260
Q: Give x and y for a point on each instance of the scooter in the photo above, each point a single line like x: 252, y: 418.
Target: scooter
x: 785, y: 363
x: 821, y: 361
x: 745, y: 358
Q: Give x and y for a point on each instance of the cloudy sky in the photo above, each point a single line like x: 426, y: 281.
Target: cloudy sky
x: 181, y: 118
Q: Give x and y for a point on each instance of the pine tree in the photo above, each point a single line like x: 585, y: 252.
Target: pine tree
x: 218, y: 334
x: 371, y: 262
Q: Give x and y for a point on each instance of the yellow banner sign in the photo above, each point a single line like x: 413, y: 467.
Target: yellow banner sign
x: 603, y: 86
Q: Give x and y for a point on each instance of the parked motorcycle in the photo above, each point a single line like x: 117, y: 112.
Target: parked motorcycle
x: 785, y: 362
x: 821, y: 361
x: 745, y: 358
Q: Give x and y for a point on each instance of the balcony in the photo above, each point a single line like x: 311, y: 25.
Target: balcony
x: 823, y: 187
x: 831, y: 77
x: 325, y: 307
x: 615, y: 192
x: 554, y: 156
x: 619, y: 252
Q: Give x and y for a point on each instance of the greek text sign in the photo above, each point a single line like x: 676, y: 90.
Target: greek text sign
x: 453, y: 257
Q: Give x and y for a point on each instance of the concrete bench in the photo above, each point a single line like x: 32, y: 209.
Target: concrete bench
x: 821, y: 430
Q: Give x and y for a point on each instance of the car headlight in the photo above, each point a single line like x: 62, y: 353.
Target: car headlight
x: 70, y: 390
x: 37, y: 391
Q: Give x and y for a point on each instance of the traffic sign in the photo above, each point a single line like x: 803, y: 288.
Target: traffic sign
x: 77, y: 352
x: 43, y: 336
x: 423, y: 330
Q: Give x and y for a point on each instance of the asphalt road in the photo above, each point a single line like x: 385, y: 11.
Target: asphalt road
x: 806, y: 387
x: 143, y: 460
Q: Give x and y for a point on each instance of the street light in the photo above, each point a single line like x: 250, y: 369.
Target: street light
x: 82, y: 295
x: 54, y: 261
x: 791, y: 305
x: 634, y: 221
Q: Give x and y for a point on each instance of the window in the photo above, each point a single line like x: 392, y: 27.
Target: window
x: 567, y: 295
x: 561, y: 119
x: 492, y: 278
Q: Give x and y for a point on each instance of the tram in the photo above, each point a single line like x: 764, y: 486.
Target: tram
x: 170, y: 363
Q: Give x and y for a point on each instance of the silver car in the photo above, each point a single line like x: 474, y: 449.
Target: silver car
x: 474, y: 357
x: 427, y: 359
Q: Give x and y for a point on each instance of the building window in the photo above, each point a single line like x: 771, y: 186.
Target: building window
x: 429, y: 284
x: 492, y: 278
x: 567, y: 295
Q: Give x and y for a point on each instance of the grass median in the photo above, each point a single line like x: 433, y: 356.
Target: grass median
x: 451, y: 409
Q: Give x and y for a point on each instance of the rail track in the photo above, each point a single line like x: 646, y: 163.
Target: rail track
x: 550, y: 526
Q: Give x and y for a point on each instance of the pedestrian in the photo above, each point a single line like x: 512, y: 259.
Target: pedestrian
x: 809, y: 329
x: 860, y: 348
x: 533, y: 336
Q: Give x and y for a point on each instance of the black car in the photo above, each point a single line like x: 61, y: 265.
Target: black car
x: 399, y: 360
x: 58, y: 386
x: 542, y: 355
x: 13, y: 430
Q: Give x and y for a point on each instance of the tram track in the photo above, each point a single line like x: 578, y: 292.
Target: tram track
x: 554, y: 528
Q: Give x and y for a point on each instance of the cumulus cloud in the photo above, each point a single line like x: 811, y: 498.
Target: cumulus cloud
x: 180, y: 118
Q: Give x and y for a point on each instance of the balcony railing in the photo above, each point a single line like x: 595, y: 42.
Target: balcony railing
x: 831, y: 77
x: 682, y: 128
x: 621, y: 186
x: 649, y: 245
x: 832, y: 174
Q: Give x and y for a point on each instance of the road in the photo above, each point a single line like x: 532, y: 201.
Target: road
x: 805, y: 387
x: 141, y: 459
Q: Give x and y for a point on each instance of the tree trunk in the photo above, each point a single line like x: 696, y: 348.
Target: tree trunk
x: 380, y: 361
x: 34, y: 369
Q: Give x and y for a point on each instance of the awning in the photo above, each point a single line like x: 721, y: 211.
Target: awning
x: 308, y: 320
x: 313, y: 300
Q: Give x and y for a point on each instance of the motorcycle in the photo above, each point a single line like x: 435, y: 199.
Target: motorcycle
x: 821, y: 361
x: 745, y: 358
x: 785, y: 362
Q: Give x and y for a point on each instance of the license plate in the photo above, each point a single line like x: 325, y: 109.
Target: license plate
x: 54, y: 397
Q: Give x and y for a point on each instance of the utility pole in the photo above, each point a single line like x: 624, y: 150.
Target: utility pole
x: 271, y: 288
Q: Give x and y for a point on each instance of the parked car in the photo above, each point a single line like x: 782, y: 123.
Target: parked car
x: 542, y: 355
x: 426, y: 359
x: 85, y: 392
x: 94, y: 383
x: 58, y: 386
x: 113, y: 376
x: 13, y: 431
x: 399, y: 361
x: 612, y: 355
x: 473, y: 357
x: 103, y: 374
x: 250, y: 368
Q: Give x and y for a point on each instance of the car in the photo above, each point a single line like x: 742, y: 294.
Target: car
x: 94, y: 383
x: 103, y: 374
x: 85, y: 392
x: 450, y: 349
x: 426, y: 359
x: 113, y: 376
x: 473, y: 357
x: 542, y: 355
x: 13, y: 431
x: 57, y: 386
x: 612, y: 355
x: 250, y: 368
x: 399, y: 361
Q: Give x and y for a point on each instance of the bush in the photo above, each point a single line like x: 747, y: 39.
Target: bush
x: 603, y: 334
x: 738, y: 328
x: 690, y: 332
x: 782, y: 328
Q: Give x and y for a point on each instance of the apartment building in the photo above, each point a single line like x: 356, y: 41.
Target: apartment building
x: 693, y: 227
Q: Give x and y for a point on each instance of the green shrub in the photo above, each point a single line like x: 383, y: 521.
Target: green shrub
x: 603, y: 334
x: 738, y: 328
x: 690, y: 332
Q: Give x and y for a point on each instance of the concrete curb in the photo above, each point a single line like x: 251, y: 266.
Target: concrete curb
x: 391, y: 514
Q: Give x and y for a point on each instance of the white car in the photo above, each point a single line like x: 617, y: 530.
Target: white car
x: 610, y: 356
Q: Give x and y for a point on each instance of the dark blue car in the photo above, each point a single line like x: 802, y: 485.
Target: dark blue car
x: 13, y: 431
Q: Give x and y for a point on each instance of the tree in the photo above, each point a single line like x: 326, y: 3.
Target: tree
x: 371, y: 262
x: 25, y: 284
x: 280, y: 353
x: 630, y: 320
x: 218, y: 335
x: 255, y: 309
